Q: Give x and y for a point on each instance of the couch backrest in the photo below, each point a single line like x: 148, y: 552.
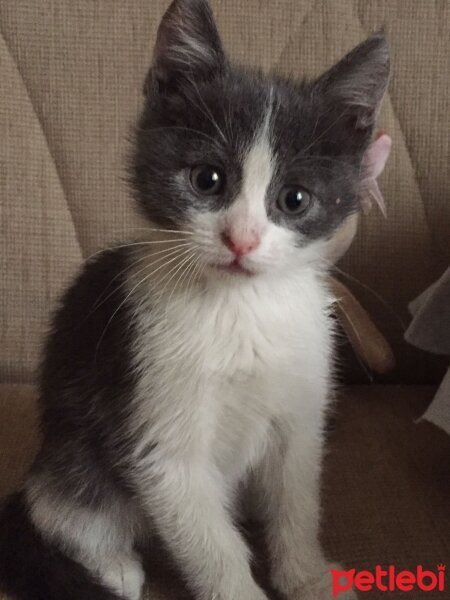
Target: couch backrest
x: 71, y: 75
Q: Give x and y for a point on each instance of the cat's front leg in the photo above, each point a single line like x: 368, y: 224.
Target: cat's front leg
x: 188, y: 505
x: 289, y: 480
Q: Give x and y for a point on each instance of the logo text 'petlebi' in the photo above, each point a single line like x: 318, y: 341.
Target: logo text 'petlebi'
x: 388, y: 580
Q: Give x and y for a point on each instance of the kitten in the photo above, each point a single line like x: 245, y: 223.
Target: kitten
x: 196, y: 362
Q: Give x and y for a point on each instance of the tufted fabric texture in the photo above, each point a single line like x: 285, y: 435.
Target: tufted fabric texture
x: 71, y: 75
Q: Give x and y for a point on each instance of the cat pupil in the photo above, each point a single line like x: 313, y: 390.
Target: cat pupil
x: 207, y: 179
x: 293, y: 200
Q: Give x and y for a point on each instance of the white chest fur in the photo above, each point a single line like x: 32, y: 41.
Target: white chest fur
x: 217, y: 368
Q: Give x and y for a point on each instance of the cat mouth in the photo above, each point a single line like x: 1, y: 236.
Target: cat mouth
x: 234, y: 268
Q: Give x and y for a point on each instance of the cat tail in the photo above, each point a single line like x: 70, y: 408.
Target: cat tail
x: 32, y: 568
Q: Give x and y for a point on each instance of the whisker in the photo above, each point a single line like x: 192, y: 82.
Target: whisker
x: 130, y: 293
x: 183, y: 231
x: 317, y: 139
x: 227, y: 115
x: 182, y: 274
x: 189, y: 275
x: 167, y: 253
x: 208, y: 113
x: 159, y: 281
x: 200, y: 275
x: 194, y: 273
x: 198, y: 132
x: 171, y: 274
x: 313, y: 158
x: 161, y: 293
x: 142, y: 243
x: 151, y: 229
x: 179, y: 280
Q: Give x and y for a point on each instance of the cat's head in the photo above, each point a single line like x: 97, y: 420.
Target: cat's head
x: 259, y: 171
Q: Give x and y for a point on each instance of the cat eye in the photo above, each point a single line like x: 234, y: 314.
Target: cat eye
x: 294, y: 200
x: 207, y: 180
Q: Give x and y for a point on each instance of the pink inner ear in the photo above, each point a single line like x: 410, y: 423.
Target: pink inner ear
x: 377, y: 154
x: 374, y: 162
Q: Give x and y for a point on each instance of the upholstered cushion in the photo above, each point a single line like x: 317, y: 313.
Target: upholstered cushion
x: 72, y: 74
x: 386, y: 483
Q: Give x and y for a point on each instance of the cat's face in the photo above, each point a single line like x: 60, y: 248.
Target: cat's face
x: 258, y: 170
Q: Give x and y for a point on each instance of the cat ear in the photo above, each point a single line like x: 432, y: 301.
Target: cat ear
x: 188, y: 47
x: 377, y: 154
x: 374, y: 161
x: 355, y: 86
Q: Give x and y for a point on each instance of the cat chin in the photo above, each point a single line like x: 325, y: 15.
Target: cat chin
x: 234, y: 269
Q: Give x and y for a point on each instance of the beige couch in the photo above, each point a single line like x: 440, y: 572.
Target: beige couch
x: 71, y: 74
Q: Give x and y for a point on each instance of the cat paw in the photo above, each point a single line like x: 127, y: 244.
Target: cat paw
x: 125, y: 577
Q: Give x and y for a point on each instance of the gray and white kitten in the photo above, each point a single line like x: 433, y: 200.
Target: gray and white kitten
x: 196, y: 362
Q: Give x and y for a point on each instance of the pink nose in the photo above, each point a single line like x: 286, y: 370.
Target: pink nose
x: 240, y: 244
